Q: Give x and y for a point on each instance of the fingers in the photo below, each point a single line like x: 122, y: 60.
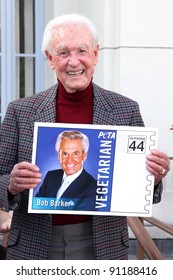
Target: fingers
x: 171, y: 128
x: 5, y: 221
x: 23, y: 176
x: 25, y: 166
x: 5, y: 227
x: 158, y: 164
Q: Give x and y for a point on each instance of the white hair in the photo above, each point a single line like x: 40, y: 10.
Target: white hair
x: 72, y: 135
x: 74, y: 19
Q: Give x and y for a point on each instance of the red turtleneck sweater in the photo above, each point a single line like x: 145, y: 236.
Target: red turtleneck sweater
x: 74, y: 107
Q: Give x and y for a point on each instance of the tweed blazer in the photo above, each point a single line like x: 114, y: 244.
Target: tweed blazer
x: 29, y: 237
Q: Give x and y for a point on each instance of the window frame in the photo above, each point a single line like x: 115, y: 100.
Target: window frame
x: 8, y: 52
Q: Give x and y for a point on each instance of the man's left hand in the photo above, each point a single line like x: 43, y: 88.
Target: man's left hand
x: 158, y: 164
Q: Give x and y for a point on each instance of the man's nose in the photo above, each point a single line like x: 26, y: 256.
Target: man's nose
x: 73, y: 60
x: 70, y: 158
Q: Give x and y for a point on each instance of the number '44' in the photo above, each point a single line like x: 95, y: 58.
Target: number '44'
x: 137, y: 146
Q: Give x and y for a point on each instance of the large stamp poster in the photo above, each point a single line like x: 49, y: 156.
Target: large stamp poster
x: 109, y: 179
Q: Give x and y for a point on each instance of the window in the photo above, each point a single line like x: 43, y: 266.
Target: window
x: 22, y: 63
x: 25, y: 47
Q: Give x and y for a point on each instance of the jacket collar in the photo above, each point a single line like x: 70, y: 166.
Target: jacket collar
x: 45, y: 106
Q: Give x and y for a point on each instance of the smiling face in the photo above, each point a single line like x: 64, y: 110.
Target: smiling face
x: 73, y: 56
x: 71, y: 155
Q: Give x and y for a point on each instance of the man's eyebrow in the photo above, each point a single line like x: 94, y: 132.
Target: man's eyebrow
x: 62, y: 47
x: 83, y: 45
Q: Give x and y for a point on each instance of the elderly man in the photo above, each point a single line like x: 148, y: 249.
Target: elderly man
x: 70, y: 44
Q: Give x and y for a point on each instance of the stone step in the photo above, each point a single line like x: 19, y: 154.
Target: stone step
x: 165, y: 246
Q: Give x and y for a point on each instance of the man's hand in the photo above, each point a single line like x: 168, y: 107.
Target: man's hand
x: 5, y: 222
x: 24, y: 175
x: 158, y: 164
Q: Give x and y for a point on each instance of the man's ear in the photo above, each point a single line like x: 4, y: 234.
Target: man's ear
x: 49, y: 58
x: 84, y: 156
x: 96, y: 51
x: 58, y: 156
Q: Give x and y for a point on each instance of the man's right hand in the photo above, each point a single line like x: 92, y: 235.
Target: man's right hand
x: 5, y: 221
x: 24, y: 175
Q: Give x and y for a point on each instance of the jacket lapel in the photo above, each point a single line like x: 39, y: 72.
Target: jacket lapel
x: 45, y: 107
x: 102, y: 110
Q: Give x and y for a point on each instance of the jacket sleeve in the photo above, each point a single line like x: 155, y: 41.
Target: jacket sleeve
x: 8, y: 155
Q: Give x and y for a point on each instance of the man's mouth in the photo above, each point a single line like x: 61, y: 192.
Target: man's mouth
x: 71, y: 165
x: 73, y: 73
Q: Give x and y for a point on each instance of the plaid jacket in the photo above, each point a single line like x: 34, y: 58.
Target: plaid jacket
x: 29, y: 236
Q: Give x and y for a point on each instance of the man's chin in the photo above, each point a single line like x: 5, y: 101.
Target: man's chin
x: 76, y: 87
x: 71, y: 172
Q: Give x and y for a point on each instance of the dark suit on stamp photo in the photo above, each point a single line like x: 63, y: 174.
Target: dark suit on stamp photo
x: 83, y: 188
x: 110, y: 232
